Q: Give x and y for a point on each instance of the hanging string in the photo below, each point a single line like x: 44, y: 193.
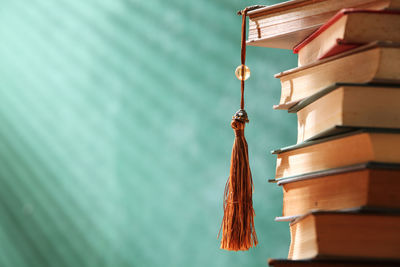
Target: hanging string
x: 243, y: 57
x: 244, y: 69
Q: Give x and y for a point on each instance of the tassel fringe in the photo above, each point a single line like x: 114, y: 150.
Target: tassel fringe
x: 238, y: 231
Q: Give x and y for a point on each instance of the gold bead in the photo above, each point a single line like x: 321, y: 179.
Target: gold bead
x: 238, y: 72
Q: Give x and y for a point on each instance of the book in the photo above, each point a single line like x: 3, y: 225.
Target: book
x: 369, y: 185
x: 348, y: 29
x: 337, y: 234
x: 348, y: 67
x: 286, y: 24
x: 351, y: 262
x: 379, y: 145
x: 348, y: 105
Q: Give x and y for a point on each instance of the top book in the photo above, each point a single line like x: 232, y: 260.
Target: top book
x: 286, y: 24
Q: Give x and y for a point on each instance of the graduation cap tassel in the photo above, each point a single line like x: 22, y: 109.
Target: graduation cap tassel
x: 237, y: 226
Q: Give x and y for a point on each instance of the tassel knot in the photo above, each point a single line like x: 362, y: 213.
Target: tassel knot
x: 238, y: 122
x: 238, y: 128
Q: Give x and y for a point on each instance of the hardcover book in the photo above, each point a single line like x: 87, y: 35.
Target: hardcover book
x: 286, y: 24
x: 338, y: 234
x: 347, y: 149
x: 350, y: 262
x: 348, y: 67
x: 368, y: 185
x: 348, y: 29
x: 342, y: 106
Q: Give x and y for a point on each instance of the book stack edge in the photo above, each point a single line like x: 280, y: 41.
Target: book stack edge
x: 341, y: 180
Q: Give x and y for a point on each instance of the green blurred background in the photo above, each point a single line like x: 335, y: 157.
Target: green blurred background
x: 115, y: 135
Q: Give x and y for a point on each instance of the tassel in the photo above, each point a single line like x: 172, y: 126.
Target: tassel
x: 237, y: 226
x: 238, y: 231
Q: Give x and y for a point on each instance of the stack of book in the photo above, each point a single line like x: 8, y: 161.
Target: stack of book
x: 341, y: 181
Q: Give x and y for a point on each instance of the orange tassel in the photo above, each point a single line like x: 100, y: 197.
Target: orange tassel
x: 238, y: 231
x: 237, y: 226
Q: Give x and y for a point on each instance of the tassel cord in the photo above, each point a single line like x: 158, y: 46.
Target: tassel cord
x: 243, y: 56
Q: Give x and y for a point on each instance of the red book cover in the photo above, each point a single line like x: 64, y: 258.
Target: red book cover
x: 340, y: 47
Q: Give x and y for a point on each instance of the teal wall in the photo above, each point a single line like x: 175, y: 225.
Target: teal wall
x: 115, y: 135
